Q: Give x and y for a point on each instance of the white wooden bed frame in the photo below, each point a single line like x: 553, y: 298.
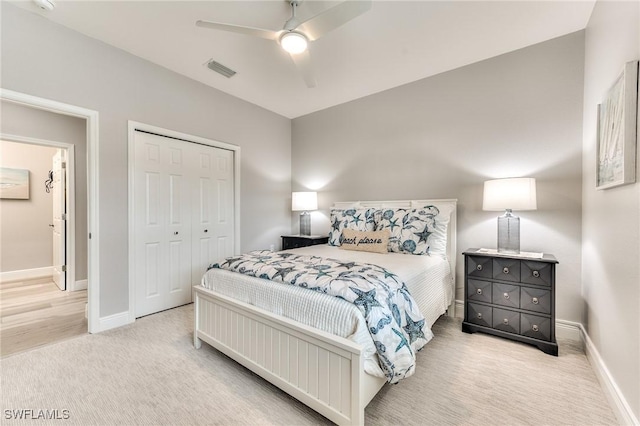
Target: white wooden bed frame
x: 321, y: 370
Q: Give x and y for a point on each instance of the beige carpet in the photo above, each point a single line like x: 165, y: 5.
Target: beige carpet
x: 148, y: 373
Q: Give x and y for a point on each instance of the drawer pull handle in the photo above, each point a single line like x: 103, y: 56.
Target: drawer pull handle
x: 479, y: 267
x: 505, y: 270
x: 479, y: 315
x: 479, y: 291
x: 506, y: 296
x: 536, y: 274
x: 175, y: 233
x: 505, y: 321
x: 535, y: 328
x: 535, y: 301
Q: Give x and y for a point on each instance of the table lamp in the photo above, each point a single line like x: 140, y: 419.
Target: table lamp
x: 509, y: 194
x: 304, y: 202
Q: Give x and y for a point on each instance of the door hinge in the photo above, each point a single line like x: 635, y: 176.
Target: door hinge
x: 63, y: 165
x: 64, y: 268
x: 89, y: 235
x: 64, y: 216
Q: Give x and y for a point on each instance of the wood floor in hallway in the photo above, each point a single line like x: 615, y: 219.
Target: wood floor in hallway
x: 34, y: 313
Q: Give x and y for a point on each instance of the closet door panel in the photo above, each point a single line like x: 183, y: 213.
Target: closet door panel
x: 224, y: 202
x: 178, y: 250
x: 149, y: 217
x: 212, y: 200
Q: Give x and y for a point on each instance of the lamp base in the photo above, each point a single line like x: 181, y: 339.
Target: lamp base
x: 305, y: 223
x: 508, y: 233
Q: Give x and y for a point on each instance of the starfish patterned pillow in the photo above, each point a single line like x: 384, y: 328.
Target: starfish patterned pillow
x: 354, y: 219
x: 410, y: 229
x: 393, y: 220
x: 441, y: 216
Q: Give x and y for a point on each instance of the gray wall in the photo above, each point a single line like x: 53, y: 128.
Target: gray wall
x: 34, y: 123
x: 519, y: 114
x: 84, y: 72
x: 611, y: 218
x: 25, y: 237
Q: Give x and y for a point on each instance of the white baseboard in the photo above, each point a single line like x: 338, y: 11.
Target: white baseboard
x: 26, y: 274
x: 569, y: 330
x: 617, y: 401
x: 459, y: 308
x: 80, y: 285
x: 114, y: 321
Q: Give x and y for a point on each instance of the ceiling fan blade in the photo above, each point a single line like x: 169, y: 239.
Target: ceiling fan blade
x: 257, y: 32
x: 331, y: 19
x: 303, y: 63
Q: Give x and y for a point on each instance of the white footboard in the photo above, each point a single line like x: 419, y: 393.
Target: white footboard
x: 323, y: 371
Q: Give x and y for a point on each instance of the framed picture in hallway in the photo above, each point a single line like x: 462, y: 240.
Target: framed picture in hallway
x: 617, y: 115
x: 14, y: 183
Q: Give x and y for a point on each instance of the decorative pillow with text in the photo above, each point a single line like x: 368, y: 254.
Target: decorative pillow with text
x: 371, y: 241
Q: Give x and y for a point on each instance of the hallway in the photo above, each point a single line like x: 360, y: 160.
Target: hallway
x: 34, y: 313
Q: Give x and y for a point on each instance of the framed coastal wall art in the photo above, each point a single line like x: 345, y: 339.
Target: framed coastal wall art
x: 14, y: 183
x: 617, y: 117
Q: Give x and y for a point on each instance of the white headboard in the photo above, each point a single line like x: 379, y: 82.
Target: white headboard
x: 452, y: 254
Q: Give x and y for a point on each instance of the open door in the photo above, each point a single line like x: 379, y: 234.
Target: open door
x: 59, y: 192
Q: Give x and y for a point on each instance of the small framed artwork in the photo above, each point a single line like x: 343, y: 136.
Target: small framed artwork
x: 14, y: 183
x: 616, y: 146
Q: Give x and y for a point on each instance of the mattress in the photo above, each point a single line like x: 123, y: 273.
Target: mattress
x: 428, y: 279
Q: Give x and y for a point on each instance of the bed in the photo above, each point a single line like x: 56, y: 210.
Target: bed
x: 327, y: 364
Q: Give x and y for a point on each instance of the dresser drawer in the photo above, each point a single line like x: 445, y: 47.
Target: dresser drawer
x: 296, y: 241
x: 506, y: 295
x: 291, y: 243
x: 538, y: 273
x: 535, y: 326
x: 535, y: 299
x: 505, y: 320
x: 479, y: 314
x: 506, y: 269
x: 479, y: 267
x: 479, y: 291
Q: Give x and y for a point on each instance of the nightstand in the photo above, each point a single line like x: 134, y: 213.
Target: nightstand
x: 511, y: 296
x: 295, y: 241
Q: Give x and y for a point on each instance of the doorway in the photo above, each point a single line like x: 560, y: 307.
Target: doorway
x: 91, y: 133
x: 38, y: 305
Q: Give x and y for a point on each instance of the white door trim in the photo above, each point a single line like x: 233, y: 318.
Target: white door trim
x: 93, y: 258
x: 133, y: 126
x: 70, y: 233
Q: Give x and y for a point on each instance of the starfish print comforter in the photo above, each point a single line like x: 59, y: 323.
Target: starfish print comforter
x: 394, y: 321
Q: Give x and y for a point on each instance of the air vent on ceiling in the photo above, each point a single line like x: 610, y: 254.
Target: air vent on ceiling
x: 220, y: 69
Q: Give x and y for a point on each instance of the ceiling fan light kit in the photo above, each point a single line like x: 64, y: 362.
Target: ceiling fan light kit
x: 47, y: 5
x: 293, y: 42
x: 295, y: 35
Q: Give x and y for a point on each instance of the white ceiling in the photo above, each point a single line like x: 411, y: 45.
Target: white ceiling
x: 394, y: 43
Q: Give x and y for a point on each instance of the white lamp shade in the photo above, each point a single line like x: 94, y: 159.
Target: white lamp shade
x: 293, y: 42
x: 304, y: 201
x: 513, y: 194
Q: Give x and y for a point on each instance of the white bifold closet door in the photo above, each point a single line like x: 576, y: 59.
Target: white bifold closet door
x: 183, y: 217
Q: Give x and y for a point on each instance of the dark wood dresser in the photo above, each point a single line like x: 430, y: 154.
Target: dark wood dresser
x: 511, y: 296
x: 295, y: 241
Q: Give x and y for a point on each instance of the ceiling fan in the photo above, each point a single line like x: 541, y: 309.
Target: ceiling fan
x: 295, y: 35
